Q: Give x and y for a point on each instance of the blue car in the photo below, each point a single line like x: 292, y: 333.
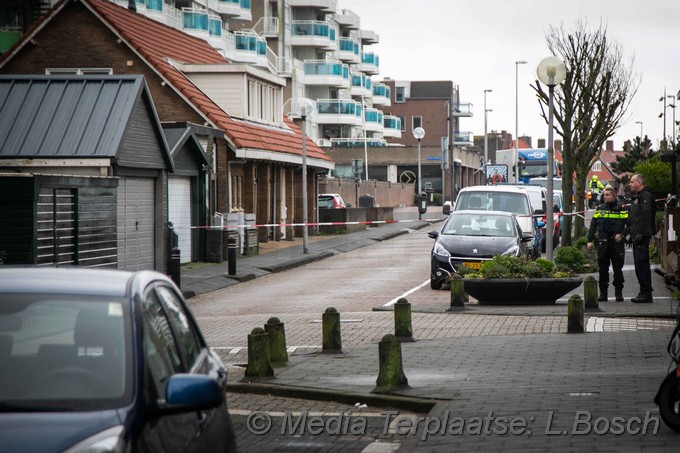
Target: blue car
x: 105, y: 361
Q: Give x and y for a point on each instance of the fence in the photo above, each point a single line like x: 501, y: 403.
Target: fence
x: 385, y: 194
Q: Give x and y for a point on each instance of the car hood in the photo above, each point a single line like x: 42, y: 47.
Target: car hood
x: 53, y: 431
x: 484, y: 245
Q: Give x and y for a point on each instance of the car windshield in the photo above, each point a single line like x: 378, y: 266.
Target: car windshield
x: 479, y: 225
x: 325, y: 202
x: 516, y: 203
x: 65, y: 353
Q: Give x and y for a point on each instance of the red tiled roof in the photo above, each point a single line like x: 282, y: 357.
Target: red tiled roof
x: 157, y: 42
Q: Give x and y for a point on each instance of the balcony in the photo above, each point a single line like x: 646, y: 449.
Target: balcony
x: 369, y: 37
x: 348, y: 19
x: 234, y: 9
x: 329, y: 6
x: 392, y: 126
x: 463, y: 110
x: 358, y: 142
x: 370, y: 63
x: 195, y: 23
x: 463, y: 138
x: 361, y: 85
x: 338, y: 111
x: 326, y: 73
x: 250, y: 48
x: 373, y: 120
x: 381, y: 95
x: 311, y: 33
x: 348, y: 51
x: 267, y: 27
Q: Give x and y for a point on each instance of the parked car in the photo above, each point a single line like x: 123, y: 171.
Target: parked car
x: 105, y: 360
x: 469, y: 238
x: 505, y: 198
x: 331, y: 201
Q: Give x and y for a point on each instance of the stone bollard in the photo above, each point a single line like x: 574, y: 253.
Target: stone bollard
x: 391, y: 374
x: 259, y: 363
x: 575, y: 319
x: 403, y: 329
x: 332, y: 340
x: 277, y: 342
x: 590, y: 294
x: 458, y: 296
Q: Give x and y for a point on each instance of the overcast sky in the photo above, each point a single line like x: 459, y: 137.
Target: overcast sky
x: 475, y: 43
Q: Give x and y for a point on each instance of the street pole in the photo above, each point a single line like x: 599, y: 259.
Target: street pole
x: 419, y: 133
x: 363, y: 117
x: 486, y: 138
x: 516, y: 153
x: 305, y: 107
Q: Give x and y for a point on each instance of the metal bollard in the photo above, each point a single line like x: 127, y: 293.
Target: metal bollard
x: 458, y: 296
x: 332, y: 340
x: 575, y: 319
x: 259, y: 362
x: 590, y: 294
x: 231, y: 255
x: 277, y: 342
x: 403, y: 329
x: 391, y: 372
x: 174, y: 267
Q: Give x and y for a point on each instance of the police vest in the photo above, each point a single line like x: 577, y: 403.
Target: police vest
x: 610, y: 220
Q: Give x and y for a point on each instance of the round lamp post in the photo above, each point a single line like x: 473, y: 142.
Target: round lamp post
x: 515, y: 157
x: 304, y: 107
x: 551, y: 71
x: 419, y: 133
x: 486, y: 140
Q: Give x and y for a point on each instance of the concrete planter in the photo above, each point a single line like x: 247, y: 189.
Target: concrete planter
x: 519, y: 291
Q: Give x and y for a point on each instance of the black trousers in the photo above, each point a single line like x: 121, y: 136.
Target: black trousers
x: 643, y: 271
x: 610, y: 251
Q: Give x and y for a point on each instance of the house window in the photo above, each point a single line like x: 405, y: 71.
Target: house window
x: 597, y: 166
x: 263, y: 102
x: 402, y: 118
x: 236, y: 193
x: 399, y: 94
x: 417, y: 121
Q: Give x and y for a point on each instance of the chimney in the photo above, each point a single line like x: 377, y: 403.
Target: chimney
x: 132, y: 6
x: 526, y: 140
x: 610, y: 146
x: 541, y: 143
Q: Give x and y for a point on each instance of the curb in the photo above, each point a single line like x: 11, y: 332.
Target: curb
x: 412, y: 404
x: 297, y: 262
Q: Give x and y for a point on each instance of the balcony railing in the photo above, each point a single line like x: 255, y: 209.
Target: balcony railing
x: 195, y: 19
x: 322, y: 72
x: 463, y: 138
x: 370, y: 63
x: 310, y: 28
x: 381, y: 94
x: 357, y: 142
x: 392, y: 122
x: 462, y: 110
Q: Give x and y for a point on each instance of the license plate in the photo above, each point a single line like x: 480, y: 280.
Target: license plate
x: 472, y: 264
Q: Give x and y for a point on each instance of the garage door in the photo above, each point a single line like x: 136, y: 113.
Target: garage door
x: 136, y: 249
x: 179, y: 213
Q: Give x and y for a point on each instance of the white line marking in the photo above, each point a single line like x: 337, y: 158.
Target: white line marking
x: 410, y: 291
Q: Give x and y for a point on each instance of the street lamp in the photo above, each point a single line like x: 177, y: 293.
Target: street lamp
x: 640, y: 123
x: 672, y: 105
x: 419, y: 133
x: 551, y: 71
x: 486, y: 141
x: 305, y: 107
x: 516, y: 154
x: 363, y: 125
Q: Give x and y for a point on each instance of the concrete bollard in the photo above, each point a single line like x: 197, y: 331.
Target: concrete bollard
x: 277, y: 342
x: 331, y: 338
x: 391, y: 374
x: 590, y: 294
x: 575, y: 319
x: 403, y: 329
x: 458, y: 296
x: 259, y: 363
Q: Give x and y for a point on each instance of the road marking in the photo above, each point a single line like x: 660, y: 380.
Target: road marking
x: 410, y: 291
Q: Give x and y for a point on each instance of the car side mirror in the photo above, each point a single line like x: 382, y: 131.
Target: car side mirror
x: 190, y: 393
x: 527, y: 237
x: 433, y: 234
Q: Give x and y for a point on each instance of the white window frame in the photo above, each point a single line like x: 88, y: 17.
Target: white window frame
x: 397, y: 89
x: 263, y: 102
x: 597, y: 166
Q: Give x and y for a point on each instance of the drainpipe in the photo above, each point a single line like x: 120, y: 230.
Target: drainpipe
x: 229, y: 164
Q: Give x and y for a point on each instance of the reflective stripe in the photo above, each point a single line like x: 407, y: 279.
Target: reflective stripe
x: 610, y: 215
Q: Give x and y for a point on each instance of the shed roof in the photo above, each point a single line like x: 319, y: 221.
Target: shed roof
x: 69, y: 116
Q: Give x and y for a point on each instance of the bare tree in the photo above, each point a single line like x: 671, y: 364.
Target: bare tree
x: 590, y: 105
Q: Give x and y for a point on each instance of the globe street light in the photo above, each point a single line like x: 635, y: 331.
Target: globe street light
x: 419, y: 133
x: 305, y: 107
x: 486, y: 141
x: 551, y: 71
x: 516, y: 153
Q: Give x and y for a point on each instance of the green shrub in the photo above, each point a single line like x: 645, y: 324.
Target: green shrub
x: 518, y: 267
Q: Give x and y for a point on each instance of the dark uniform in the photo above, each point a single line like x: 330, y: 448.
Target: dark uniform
x: 609, y: 220
x: 642, y: 228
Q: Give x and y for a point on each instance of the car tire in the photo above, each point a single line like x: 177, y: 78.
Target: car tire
x: 434, y: 284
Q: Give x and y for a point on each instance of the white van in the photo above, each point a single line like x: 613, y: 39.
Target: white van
x: 501, y: 198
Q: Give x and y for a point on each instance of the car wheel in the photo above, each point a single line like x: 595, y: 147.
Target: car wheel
x: 435, y: 284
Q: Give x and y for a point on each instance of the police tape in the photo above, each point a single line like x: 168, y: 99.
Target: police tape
x: 279, y: 225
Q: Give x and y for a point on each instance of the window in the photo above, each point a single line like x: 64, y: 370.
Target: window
x: 263, y: 102
x: 402, y: 118
x: 597, y: 166
x: 399, y: 94
x: 417, y: 121
x: 187, y: 337
x: 160, y: 347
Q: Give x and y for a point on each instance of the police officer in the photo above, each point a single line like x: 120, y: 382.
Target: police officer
x: 609, y: 222
x: 642, y: 228
x: 596, y: 189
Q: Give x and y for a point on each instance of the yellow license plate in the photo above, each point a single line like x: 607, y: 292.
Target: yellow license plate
x: 472, y: 264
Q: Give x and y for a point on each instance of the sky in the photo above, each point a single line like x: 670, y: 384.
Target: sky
x: 475, y: 44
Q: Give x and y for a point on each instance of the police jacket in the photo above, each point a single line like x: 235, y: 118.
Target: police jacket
x: 608, y: 220
x: 642, y: 212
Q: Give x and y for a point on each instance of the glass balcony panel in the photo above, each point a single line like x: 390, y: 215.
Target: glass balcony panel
x: 346, y: 45
x: 462, y: 109
x: 357, y: 80
x: 154, y: 5
x: 237, y: 2
x: 367, y: 83
x: 331, y: 34
x: 345, y: 71
x: 371, y: 116
x: 245, y: 4
x: 314, y: 68
x: 262, y: 47
x: 246, y: 42
x: 379, y: 90
x: 392, y: 122
x: 215, y: 26
x: 195, y: 20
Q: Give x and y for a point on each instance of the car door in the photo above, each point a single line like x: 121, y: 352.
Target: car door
x: 163, y: 432
x: 214, y: 427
